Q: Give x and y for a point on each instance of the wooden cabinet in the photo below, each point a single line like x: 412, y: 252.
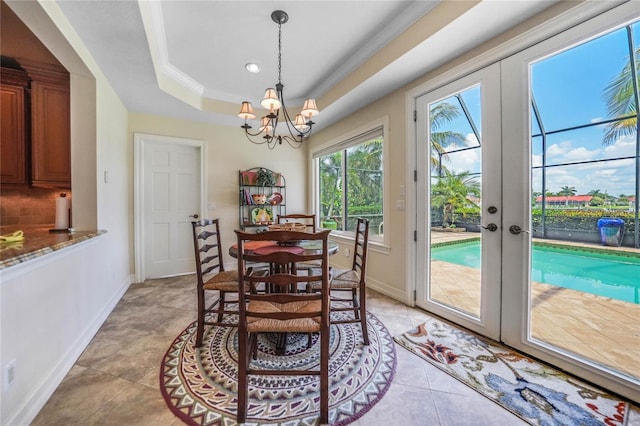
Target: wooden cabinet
x: 50, y: 129
x: 256, y: 215
x: 14, y: 127
x: 36, y: 128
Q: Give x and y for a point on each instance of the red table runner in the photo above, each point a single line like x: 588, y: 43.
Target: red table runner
x: 275, y: 248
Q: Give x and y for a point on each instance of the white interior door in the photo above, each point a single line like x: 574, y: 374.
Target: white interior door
x: 459, y: 150
x: 170, y: 196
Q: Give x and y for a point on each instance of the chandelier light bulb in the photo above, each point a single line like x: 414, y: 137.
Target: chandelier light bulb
x: 265, y: 124
x: 246, y: 111
x: 270, y: 100
x: 300, y: 123
x: 309, y: 109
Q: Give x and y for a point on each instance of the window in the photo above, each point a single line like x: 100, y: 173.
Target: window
x: 350, y: 176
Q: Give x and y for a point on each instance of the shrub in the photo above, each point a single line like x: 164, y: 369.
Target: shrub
x: 578, y: 219
x: 365, y: 210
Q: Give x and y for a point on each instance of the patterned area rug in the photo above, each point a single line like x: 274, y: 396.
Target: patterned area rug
x: 533, y: 391
x: 200, y: 385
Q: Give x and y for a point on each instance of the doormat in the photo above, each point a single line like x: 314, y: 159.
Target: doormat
x: 200, y: 385
x: 535, y: 392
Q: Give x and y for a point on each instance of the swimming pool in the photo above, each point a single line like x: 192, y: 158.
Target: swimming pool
x: 596, y: 272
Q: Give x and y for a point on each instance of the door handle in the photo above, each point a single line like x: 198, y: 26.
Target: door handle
x: 195, y: 216
x: 515, y: 230
x: 491, y: 227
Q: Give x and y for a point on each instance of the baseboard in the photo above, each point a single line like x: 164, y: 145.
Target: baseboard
x: 387, y: 290
x: 41, y: 395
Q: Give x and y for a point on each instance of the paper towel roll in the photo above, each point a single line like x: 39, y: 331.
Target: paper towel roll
x: 63, y: 204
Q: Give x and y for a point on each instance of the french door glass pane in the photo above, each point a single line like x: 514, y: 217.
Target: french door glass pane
x: 585, y: 263
x: 455, y: 129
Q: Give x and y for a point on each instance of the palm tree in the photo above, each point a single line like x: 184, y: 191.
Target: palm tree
x: 364, y: 177
x: 364, y: 182
x: 567, y: 191
x: 620, y: 99
x: 451, y: 192
x: 597, y: 197
x: 364, y: 167
x: 331, y: 185
x: 596, y: 193
x: 441, y: 114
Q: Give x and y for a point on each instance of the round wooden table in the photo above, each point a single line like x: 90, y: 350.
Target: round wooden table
x: 310, y: 247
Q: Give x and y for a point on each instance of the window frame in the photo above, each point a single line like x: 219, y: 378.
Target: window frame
x: 340, y: 143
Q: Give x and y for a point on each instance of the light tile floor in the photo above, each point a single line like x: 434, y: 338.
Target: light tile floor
x: 116, y: 380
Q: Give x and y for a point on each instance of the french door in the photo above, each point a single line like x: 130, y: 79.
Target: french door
x: 480, y: 151
x: 460, y: 153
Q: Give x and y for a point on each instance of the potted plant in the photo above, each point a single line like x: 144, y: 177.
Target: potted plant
x: 265, y: 178
x: 329, y: 223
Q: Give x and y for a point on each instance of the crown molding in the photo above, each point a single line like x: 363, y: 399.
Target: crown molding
x: 170, y: 78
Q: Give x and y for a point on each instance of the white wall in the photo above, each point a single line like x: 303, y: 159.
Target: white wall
x: 229, y: 151
x: 51, y: 309
x: 52, y: 306
x: 386, y: 265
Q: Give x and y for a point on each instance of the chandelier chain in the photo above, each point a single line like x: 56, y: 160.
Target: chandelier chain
x: 279, y: 53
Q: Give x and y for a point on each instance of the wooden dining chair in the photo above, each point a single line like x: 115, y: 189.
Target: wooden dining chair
x: 282, y: 310
x: 353, y: 281
x: 212, y: 277
x: 308, y: 219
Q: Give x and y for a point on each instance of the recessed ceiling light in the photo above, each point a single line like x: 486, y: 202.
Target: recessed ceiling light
x: 253, y: 68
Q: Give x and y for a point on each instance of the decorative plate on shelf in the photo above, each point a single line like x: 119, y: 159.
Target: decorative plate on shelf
x: 261, y: 215
x: 275, y: 198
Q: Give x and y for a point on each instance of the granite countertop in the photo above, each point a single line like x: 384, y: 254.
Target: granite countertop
x: 37, y: 242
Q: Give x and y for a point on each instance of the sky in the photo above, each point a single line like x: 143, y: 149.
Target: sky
x: 568, y: 90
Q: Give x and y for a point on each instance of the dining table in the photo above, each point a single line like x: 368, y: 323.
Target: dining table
x: 309, y: 247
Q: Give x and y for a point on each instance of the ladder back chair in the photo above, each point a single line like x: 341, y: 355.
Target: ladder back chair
x: 282, y: 309
x: 310, y: 222
x: 211, y: 276
x: 308, y: 219
x: 353, y: 281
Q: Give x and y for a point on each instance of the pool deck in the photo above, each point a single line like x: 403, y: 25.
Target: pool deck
x: 601, y: 329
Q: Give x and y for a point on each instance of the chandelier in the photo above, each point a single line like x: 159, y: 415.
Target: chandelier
x: 299, y: 129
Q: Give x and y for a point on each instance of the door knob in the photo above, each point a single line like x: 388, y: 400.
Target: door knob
x: 491, y: 227
x: 515, y: 230
x: 195, y: 216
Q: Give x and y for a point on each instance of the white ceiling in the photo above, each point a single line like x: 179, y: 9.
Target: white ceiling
x: 185, y: 59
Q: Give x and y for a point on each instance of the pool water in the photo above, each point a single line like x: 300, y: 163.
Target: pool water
x: 603, y: 274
